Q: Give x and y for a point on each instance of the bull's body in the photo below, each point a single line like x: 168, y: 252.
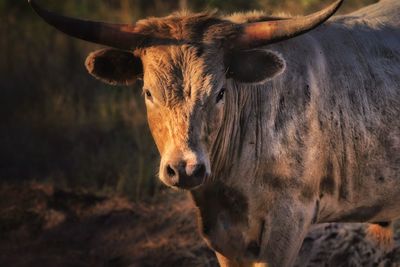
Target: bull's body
x: 328, y: 128
x: 312, y: 136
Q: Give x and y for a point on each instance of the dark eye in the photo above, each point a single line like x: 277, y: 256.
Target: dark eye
x: 147, y: 93
x: 220, y: 95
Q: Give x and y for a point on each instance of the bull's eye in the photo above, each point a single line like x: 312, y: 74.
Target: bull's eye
x: 220, y: 95
x: 148, y: 94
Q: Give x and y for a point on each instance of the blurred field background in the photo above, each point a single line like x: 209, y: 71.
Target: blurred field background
x: 59, y: 125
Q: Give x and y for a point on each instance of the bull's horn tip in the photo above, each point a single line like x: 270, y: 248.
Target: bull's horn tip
x: 339, y: 3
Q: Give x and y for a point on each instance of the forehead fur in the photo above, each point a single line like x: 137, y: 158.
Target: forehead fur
x: 177, y: 73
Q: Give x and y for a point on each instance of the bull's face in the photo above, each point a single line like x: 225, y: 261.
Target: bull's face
x: 184, y: 94
x: 185, y: 62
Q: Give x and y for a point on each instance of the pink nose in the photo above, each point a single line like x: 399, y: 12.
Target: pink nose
x: 183, y: 175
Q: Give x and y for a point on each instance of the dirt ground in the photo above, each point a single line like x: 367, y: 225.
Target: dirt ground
x: 44, y: 226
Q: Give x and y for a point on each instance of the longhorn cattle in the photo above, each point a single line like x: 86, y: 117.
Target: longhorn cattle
x: 271, y: 126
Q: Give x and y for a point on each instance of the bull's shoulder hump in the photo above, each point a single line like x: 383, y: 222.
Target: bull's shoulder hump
x: 384, y: 11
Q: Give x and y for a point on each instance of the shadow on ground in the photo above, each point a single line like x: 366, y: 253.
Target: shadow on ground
x: 44, y: 226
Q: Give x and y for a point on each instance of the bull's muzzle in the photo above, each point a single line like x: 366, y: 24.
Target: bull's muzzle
x: 184, y: 174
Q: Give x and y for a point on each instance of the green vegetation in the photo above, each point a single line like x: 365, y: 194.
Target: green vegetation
x: 60, y: 125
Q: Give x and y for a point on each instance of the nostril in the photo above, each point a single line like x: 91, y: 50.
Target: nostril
x: 170, y: 171
x: 199, y: 171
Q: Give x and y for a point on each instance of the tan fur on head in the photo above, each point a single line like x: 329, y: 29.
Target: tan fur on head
x: 381, y: 236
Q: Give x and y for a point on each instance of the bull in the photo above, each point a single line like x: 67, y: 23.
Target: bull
x: 272, y: 127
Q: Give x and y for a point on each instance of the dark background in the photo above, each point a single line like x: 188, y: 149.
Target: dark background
x: 61, y: 126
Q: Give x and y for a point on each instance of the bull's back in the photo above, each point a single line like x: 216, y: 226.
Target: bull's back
x: 385, y: 11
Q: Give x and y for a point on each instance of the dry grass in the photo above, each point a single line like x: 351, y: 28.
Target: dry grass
x: 42, y: 226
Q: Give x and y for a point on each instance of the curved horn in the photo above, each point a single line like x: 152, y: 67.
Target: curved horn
x: 267, y: 32
x: 121, y: 36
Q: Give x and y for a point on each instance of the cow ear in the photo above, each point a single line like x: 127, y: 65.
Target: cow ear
x: 254, y: 66
x: 115, y: 67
